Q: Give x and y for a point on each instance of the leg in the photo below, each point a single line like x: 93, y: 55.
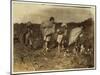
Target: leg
x: 62, y: 45
x: 46, y: 39
x: 59, y: 49
x: 46, y: 46
x: 59, y: 43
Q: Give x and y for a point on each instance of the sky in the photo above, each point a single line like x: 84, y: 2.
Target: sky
x: 23, y: 12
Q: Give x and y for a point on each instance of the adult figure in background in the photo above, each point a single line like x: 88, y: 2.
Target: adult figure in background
x: 28, y: 35
x: 48, y: 28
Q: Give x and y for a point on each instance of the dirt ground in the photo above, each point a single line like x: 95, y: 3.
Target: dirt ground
x: 26, y: 59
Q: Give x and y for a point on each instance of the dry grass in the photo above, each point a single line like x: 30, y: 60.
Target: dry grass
x: 35, y: 60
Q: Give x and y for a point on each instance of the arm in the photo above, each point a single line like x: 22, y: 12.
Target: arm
x: 53, y: 28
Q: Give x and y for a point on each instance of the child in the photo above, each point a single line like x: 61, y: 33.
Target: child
x: 60, y: 38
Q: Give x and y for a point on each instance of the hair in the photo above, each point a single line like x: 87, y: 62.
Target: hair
x: 51, y: 18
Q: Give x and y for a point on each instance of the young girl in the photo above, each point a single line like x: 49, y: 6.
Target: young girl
x: 61, y: 32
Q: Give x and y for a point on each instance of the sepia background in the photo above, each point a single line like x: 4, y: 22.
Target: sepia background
x: 24, y: 12
x: 5, y: 39
x: 26, y: 59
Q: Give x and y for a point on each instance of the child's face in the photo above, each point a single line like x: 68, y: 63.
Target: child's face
x: 52, y: 21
